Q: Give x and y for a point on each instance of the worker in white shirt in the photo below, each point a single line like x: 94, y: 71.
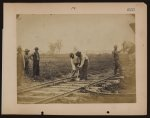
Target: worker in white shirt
x: 74, y: 63
x: 83, y: 66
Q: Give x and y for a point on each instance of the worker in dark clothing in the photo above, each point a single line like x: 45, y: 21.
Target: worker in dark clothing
x: 83, y: 65
x: 26, y: 59
x: 36, y: 59
x: 117, y: 64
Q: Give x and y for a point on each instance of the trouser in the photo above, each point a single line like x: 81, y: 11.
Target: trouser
x: 117, y: 68
x: 27, y: 67
x: 36, y: 68
x: 83, y: 71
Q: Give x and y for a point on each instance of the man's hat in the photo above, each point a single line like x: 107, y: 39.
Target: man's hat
x: 36, y: 48
x: 19, y: 48
x: 26, y: 50
x: 71, y: 55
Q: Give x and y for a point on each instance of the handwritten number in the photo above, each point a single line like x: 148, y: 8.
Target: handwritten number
x: 130, y: 9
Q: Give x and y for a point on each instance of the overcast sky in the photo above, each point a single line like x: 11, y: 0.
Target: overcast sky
x: 94, y: 33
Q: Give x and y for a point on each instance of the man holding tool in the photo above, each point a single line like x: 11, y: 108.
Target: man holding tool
x: 75, y: 62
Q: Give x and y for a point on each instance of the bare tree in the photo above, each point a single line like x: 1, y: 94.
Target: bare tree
x: 52, y: 47
x: 55, y: 46
x: 59, y: 45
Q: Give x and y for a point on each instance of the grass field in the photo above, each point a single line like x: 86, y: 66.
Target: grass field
x: 59, y: 65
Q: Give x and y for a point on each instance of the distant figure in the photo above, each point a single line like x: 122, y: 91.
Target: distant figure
x: 83, y: 66
x: 36, y: 59
x: 20, y: 66
x: 26, y: 59
x: 74, y: 63
x: 128, y: 47
x: 116, y: 61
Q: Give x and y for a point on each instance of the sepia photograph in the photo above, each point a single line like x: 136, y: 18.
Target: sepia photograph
x: 69, y: 59
x: 74, y: 59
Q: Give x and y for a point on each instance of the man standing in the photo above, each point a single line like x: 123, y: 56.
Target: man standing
x: 20, y: 66
x: 83, y: 65
x: 36, y: 59
x: 116, y: 61
x: 26, y: 58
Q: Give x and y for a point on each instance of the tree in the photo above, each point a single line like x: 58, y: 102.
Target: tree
x: 52, y: 47
x: 58, y: 45
x: 128, y: 47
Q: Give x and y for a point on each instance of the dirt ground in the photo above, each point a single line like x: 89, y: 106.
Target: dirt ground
x: 93, y: 98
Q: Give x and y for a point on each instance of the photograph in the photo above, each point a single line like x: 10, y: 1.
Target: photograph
x: 69, y: 59
x: 74, y: 59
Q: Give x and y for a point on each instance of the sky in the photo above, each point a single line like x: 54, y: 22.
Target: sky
x: 94, y: 33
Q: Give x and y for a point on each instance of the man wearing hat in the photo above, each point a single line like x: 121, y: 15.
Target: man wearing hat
x: 36, y: 59
x: 26, y: 58
x: 117, y: 65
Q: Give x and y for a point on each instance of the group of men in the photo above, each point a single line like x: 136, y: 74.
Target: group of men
x: 79, y: 63
x: 23, y: 63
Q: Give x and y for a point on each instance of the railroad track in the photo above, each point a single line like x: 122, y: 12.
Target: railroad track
x: 50, y: 91
x: 49, y: 83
